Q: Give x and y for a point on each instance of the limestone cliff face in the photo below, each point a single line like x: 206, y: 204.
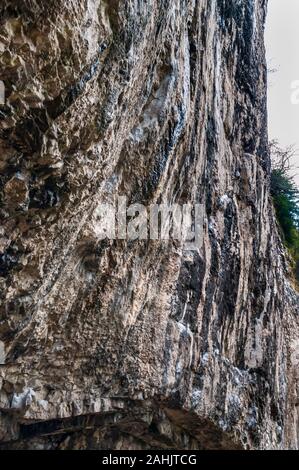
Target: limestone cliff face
x: 115, y: 344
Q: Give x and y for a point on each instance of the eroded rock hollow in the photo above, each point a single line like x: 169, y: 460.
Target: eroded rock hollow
x: 109, y: 344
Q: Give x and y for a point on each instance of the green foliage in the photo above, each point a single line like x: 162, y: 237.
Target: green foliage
x: 285, y: 194
x: 286, y: 200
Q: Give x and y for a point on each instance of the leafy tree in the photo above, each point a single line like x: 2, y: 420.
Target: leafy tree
x: 285, y: 194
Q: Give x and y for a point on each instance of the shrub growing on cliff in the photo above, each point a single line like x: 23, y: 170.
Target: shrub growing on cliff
x: 285, y: 194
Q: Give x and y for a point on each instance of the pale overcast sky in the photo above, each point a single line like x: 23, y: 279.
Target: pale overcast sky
x: 282, y: 43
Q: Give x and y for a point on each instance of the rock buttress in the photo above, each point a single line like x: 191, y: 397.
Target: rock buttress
x: 111, y: 344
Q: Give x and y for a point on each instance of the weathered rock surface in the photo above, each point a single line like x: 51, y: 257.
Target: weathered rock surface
x: 141, y: 344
